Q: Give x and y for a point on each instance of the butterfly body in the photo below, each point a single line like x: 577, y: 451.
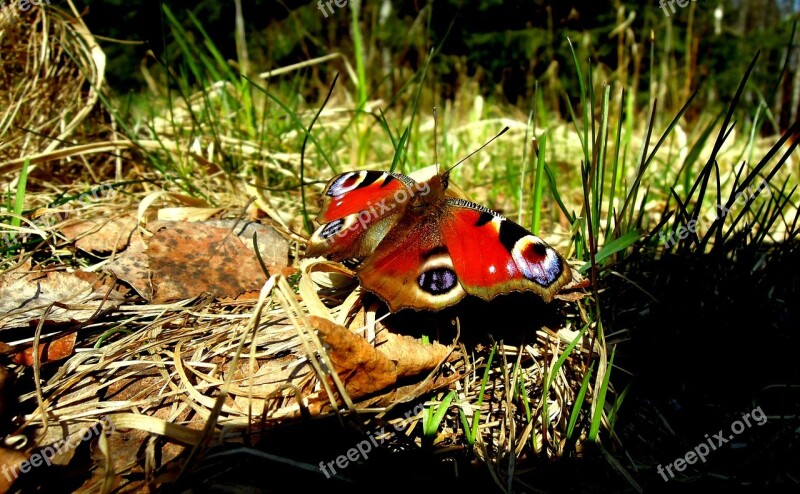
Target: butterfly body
x: 425, y: 250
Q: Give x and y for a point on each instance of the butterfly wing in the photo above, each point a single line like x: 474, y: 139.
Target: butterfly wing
x: 493, y: 255
x: 357, y: 210
x: 456, y: 248
x: 411, y: 268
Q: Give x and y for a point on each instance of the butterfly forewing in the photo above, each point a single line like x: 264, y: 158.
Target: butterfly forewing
x: 357, y: 210
x: 428, y: 252
x: 364, y: 190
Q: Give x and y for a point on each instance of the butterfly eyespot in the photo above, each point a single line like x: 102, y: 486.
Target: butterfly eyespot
x: 351, y: 181
x: 535, y: 251
x: 331, y: 229
x: 437, y: 281
x: 535, y: 261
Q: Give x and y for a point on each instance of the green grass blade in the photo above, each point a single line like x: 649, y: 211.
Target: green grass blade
x: 306, y: 220
x: 579, y: 400
x: 538, y: 185
x: 399, y: 150
x: 611, y: 248
x: 476, y: 418
x: 432, y: 419
x: 297, y: 122
x: 358, y: 48
x: 19, y: 199
x: 597, y: 419
x: 584, y: 108
x: 563, y: 357
x: 612, y: 416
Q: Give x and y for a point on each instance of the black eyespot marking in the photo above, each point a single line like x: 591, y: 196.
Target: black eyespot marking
x: 510, y: 233
x: 332, y: 228
x: 437, y: 281
x: 484, y: 218
x: 539, y: 249
x: 433, y: 252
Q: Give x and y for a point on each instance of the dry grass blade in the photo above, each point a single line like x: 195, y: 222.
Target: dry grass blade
x: 43, y: 99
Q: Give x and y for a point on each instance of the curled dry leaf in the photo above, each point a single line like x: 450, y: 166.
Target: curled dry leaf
x: 26, y: 294
x: 365, y: 369
x: 362, y: 368
x: 573, y: 291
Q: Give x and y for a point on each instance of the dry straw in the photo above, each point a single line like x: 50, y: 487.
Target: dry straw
x: 50, y: 75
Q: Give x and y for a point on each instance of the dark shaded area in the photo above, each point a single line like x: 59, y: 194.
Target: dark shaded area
x: 718, y: 342
x: 511, y: 318
x: 395, y: 467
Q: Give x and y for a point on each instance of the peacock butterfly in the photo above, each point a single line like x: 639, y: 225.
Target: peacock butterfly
x: 425, y: 250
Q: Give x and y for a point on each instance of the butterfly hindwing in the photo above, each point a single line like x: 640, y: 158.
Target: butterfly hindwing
x: 412, y: 268
x: 432, y: 260
x: 493, y: 255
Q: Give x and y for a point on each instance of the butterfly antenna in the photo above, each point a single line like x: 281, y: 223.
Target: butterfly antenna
x: 476, y: 151
x: 435, y: 150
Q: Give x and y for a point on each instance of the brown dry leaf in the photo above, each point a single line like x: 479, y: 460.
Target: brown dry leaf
x: 187, y: 259
x: 365, y: 369
x: 132, y: 267
x: 412, y: 357
x: 573, y: 291
x: 272, y: 246
x: 101, y: 235
x: 135, y: 265
x: 57, y: 349
x: 25, y: 295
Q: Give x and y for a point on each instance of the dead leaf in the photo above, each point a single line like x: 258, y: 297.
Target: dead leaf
x: 180, y: 262
x: 573, y: 291
x: 187, y: 259
x: 57, y: 349
x: 272, y: 246
x: 365, y: 369
x: 133, y: 268
x: 411, y: 356
x: 101, y: 235
x: 26, y: 293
